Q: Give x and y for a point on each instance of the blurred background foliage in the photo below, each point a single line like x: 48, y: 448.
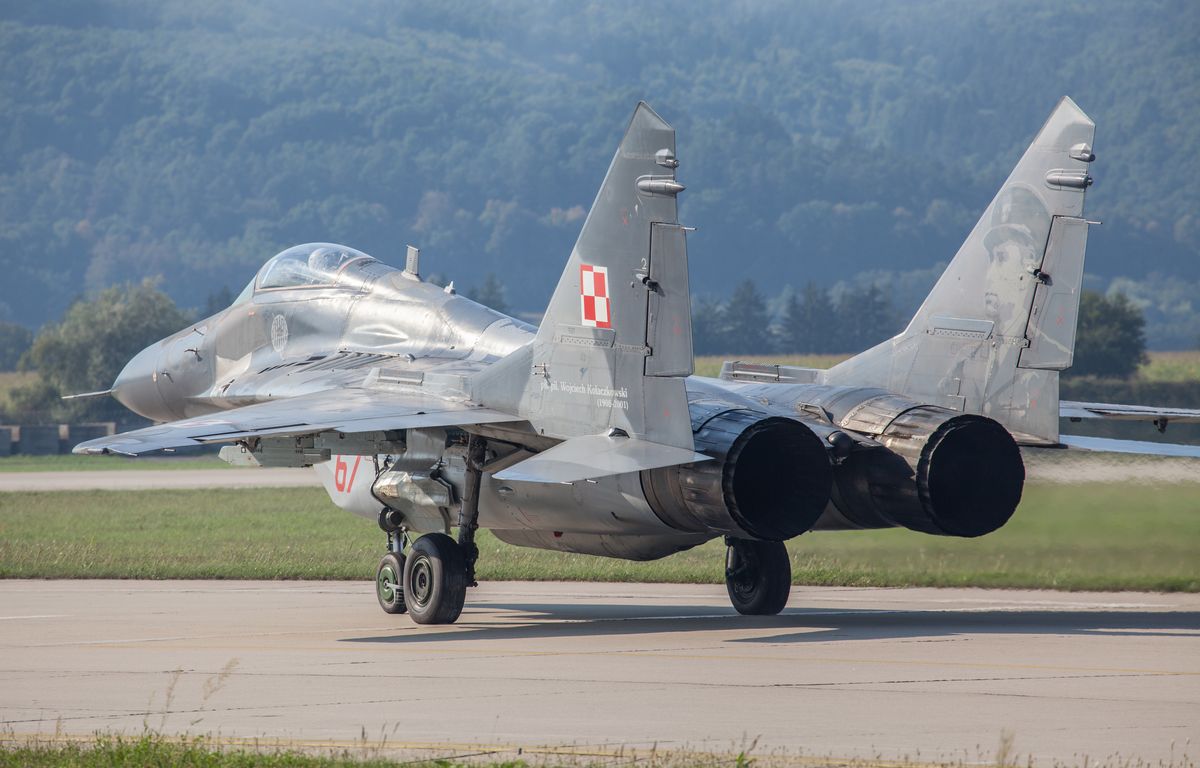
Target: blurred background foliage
x: 841, y: 148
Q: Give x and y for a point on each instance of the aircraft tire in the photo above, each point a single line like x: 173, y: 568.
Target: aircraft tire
x: 758, y: 576
x: 389, y: 585
x: 435, y: 579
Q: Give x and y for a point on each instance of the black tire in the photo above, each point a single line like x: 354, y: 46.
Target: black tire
x: 758, y: 576
x: 435, y: 580
x: 389, y: 583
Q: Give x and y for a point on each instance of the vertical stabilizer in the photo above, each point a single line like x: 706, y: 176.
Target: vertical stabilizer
x: 615, y: 343
x: 1000, y: 322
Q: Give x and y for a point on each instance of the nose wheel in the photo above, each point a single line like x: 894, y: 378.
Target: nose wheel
x: 389, y: 583
x: 758, y: 576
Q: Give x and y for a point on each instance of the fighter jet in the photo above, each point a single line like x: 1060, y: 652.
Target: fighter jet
x: 431, y: 414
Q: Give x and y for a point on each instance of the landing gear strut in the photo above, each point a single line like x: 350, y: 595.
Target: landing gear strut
x: 437, y: 570
x: 758, y: 576
x: 468, y: 513
x: 389, y: 576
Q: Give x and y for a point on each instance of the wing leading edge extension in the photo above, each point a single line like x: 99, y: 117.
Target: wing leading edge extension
x: 342, y: 410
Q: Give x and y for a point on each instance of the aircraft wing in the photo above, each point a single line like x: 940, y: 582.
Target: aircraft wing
x: 340, y: 410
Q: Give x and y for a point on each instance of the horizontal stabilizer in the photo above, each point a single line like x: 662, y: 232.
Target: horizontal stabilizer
x: 592, y: 456
x: 346, y: 411
x: 1072, y: 410
x: 1139, y: 447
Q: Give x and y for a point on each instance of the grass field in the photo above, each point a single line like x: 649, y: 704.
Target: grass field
x: 1172, y: 366
x: 69, y: 463
x: 1109, y: 536
x: 152, y: 749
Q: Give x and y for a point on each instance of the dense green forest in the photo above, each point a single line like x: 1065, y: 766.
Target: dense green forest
x: 845, y: 144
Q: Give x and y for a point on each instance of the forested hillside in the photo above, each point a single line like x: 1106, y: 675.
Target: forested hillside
x: 824, y: 142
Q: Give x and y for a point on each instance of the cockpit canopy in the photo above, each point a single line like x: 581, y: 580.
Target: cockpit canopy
x: 312, y: 265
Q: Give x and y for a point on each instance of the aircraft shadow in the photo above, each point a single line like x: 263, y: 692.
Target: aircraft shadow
x: 797, y: 625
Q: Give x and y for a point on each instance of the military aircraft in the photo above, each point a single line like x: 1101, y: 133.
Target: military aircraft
x: 427, y: 412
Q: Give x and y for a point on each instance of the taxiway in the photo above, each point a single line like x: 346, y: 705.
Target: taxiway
x: 157, y: 479
x: 595, y: 668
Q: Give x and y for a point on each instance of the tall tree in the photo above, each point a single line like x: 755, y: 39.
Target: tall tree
x: 14, y: 341
x: 87, y: 349
x: 746, y: 321
x: 491, y: 293
x: 809, y: 324
x: 708, y: 326
x: 1111, y: 340
x: 864, y: 318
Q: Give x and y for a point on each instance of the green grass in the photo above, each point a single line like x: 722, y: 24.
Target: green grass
x: 154, y: 750
x: 70, y: 463
x: 1172, y: 366
x: 1113, y: 536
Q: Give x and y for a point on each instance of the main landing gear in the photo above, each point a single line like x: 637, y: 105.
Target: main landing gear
x: 430, y: 583
x: 758, y: 576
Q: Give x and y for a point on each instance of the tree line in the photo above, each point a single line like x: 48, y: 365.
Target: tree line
x: 817, y: 141
x: 813, y: 320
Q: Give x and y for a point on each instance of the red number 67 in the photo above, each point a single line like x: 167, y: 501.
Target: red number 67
x: 340, y: 481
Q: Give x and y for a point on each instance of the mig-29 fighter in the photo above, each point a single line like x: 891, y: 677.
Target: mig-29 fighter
x: 427, y: 412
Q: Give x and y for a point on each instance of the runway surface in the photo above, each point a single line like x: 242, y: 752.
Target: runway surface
x: 592, y: 668
x: 156, y: 479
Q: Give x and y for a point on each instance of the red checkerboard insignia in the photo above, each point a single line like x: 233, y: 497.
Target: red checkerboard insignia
x: 593, y: 296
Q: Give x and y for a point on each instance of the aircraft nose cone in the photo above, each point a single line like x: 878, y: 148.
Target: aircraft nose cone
x: 136, y: 386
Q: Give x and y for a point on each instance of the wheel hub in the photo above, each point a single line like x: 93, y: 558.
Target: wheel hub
x: 422, y: 582
x: 386, y: 584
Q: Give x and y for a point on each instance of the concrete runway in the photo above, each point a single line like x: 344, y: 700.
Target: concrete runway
x: 157, y: 479
x: 588, y: 669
